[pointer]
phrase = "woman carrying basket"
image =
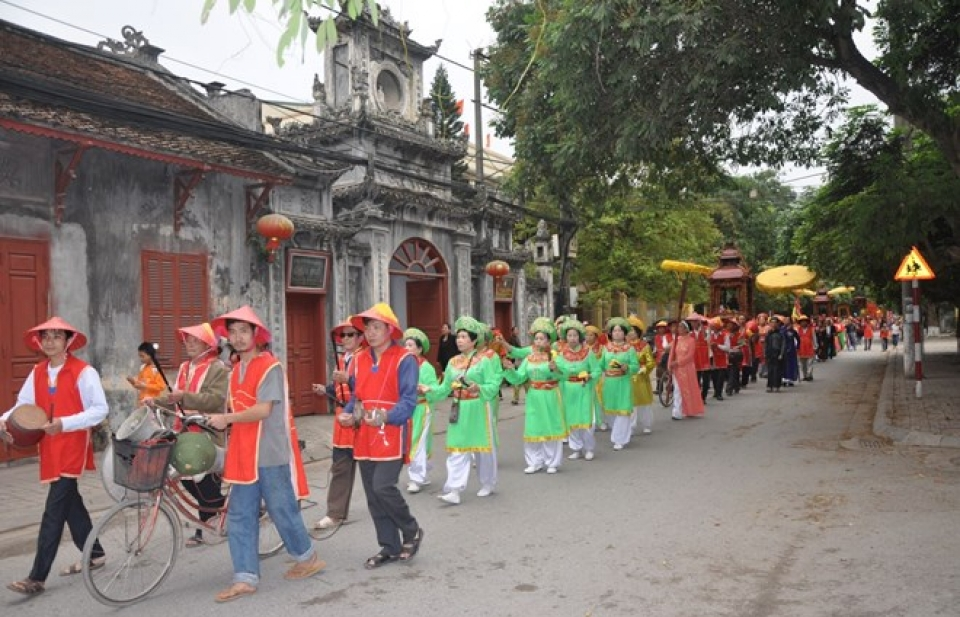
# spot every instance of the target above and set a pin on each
(70, 392)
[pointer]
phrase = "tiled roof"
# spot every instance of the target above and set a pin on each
(72, 75)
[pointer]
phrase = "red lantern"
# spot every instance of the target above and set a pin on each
(275, 228)
(497, 268)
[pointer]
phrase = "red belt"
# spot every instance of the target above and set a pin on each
(578, 379)
(465, 395)
(543, 385)
(614, 373)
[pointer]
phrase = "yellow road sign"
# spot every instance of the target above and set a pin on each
(914, 268)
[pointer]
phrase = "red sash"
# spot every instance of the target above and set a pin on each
(65, 454)
(701, 357)
(343, 436)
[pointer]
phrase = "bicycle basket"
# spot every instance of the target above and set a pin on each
(141, 466)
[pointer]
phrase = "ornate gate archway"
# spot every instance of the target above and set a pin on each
(419, 274)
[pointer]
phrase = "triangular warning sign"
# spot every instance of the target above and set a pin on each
(914, 268)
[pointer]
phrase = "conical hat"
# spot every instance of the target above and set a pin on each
(244, 313)
(380, 311)
(418, 335)
(202, 331)
(74, 342)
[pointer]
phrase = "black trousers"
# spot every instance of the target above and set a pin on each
(64, 507)
(388, 509)
(343, 471)
(718, 376)
(704, 378)
(775, 372)
(208, 495)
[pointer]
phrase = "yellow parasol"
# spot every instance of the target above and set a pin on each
(839, 291)
(805, 292)
(784, 279)
(682, 269)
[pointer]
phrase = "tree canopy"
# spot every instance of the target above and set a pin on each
(662, 82)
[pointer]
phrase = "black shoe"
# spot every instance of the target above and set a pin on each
(718, 397)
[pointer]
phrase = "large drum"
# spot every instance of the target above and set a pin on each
(25, 425)
(194, 454)
(116, 492)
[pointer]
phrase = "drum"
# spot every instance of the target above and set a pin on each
(139, 426)
(25, 425)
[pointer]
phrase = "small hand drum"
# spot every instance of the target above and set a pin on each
(25, 425)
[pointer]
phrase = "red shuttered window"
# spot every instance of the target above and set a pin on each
(175, 295)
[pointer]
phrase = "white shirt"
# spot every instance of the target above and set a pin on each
(91, 393)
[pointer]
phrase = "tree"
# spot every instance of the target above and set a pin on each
(668, 82)
(446, 117)
(888, 189)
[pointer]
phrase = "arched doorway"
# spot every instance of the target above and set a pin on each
(418, 288)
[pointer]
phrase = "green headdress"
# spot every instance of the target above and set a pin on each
(465, 322)
(542, 324)
(419, 336)
(572, 324)
(618, 321)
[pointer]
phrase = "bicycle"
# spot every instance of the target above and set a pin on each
(142, 534)
(665, 388)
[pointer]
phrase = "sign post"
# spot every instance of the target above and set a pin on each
(914, 268)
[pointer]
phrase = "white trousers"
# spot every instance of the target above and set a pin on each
(621, 430)
(458, 470)
(419, 465)
(642, 415)
(677, 401)
(582, 439)
(543, 453)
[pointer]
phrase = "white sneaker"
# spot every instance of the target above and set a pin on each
(618, 446)
(574, 455)
(589, 455)
(453, 497)
(485, 491)
(532, 469)
(326, 523)
(551, 470)
(647, 431)
(603, 427)
(413, 487)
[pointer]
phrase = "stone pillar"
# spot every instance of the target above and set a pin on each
(460, 282)
(276, 306)
(380, 255)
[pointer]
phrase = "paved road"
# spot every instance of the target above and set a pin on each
(756, 510)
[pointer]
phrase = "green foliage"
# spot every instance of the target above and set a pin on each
(446, 117)
(888, 190)
(296, 26)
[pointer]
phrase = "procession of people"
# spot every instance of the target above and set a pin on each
(580, 379)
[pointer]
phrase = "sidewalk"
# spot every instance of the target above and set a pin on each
(933, 419)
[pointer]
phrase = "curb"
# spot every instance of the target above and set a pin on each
(900, 436)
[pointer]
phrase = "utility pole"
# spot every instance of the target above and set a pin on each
(478, 116)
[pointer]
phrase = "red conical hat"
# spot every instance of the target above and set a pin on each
(202, 331)
(380, 311)
(338, 329)
(32, 338)
(244, 313)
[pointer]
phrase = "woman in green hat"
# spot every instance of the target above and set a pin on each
(580, 370)
(544, 426)
(619, 363)
(474, 380)
(421, 438)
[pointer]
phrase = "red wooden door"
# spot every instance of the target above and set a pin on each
(305, 352)
(24, 284)
(503, 317)
(425, 303)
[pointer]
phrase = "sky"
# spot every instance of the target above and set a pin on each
(240, 50)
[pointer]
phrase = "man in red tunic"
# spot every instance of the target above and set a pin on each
(808, 346)
(385, 381)
(70, 392)
(263, 458)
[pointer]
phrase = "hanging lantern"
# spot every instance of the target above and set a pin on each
(275, 228)
(497, 268)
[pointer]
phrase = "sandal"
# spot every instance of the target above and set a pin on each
(379, 559)
(77, 568)
(194, 541)
(410, 548)
(237, 590)
(27, 587)
(305, 569)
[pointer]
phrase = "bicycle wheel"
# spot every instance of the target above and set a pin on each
(270, 540)
(140, 542)
(666, 390)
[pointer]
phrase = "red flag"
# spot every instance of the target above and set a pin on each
(797, 309)
(459, 107)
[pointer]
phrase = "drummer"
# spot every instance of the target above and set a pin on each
(70, 392)
(201, 387)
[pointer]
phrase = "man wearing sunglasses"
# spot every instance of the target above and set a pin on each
(343, 468)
